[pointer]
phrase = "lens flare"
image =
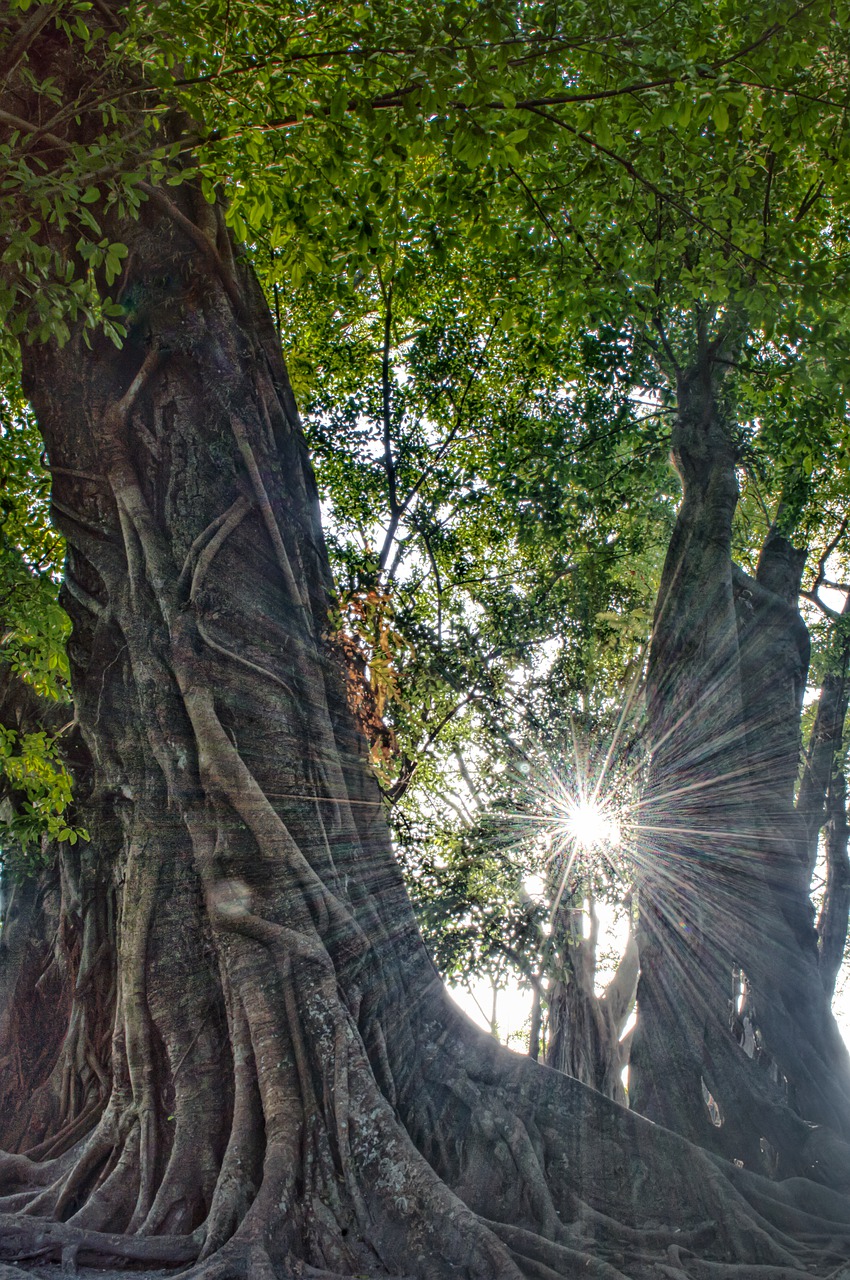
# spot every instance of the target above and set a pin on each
(590, 825)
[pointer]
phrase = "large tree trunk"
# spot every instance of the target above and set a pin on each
(735, 1044)
(287, 1090)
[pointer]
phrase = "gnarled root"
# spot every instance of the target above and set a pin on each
(23, 1239)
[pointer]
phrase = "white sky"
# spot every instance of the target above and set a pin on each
(513, 1006)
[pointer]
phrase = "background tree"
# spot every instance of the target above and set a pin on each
(551, 454)
(778, 440)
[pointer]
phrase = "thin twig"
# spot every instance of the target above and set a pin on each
(831, 546)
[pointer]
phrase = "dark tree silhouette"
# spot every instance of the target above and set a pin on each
(735, 1044)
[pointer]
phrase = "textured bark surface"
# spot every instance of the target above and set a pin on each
(822, 801)
(584, 1028)
(735, 1045)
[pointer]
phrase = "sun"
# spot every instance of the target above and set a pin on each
(590, 825)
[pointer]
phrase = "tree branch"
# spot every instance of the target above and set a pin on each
(438, 583)
(386, 426)
(830, 547)
(22, 41)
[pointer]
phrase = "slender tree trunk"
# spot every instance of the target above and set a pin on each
(724, 878)
(832, 920)
(584, 1028)
(826, 753)
(822, 802)
(536, 1022)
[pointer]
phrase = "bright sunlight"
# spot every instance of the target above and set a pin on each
(590, 826)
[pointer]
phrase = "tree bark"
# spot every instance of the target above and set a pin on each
(584, 1028)
(832, 920)
(822, 802)
(826, 753)
(724, 880)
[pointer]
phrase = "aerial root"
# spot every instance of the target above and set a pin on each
(702, 1270)
(316, 1273)
(104, 1145)
(584, 1241)
(230, 1263)
(71, 1133)
(681, 1264)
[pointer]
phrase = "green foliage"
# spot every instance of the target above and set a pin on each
(468, 893)
(35, 628)
(651, 157)
(661, 156)
(54, 181)
(33, 769)
(35, 782)
(487, 479)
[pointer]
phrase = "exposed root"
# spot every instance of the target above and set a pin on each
(528, 1246)
(23, 1239)
(238, 1261)
(69, 1135)
(23, 1173)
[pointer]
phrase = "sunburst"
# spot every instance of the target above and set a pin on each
(592, 824)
